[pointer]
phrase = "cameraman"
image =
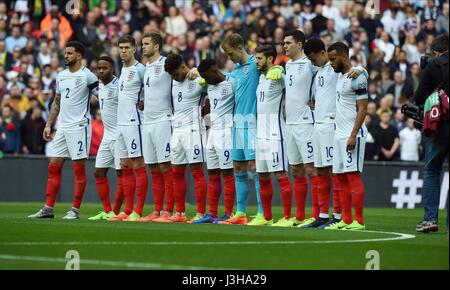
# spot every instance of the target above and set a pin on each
(436, 147)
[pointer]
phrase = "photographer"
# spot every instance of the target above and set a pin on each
(436, 147)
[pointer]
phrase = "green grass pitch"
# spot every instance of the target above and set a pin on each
(43, 244)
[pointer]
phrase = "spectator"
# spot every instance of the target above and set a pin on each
(384, 106)
(330, 11)
(3, 29)
(286, 10)
(415, 76)
(430, 12)
(15, 40)
(336, 35)
(373, 94)
(199, 25)
(4, 55)
(392, 24)
(402, 65)
(175, 22)
(9, 131)
(411, 49)
(32, 127)
(412, 24)
(342, 21)
(402, 90)
(235, 10)
(386, 80)
(442, 20)
(410, 139)
(398, 122)
(308, 13)
(372, 146)
(356, 50)
(428, 30)
(3, 11)
(319, 22)
(383, 44)
(388, 139)
(60, 28)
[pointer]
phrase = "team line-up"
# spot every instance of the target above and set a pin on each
(307, 118)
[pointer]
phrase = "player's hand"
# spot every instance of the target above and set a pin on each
(202, 82)
(47, 134)
(312, 105)
(140, 105)
(275, 73)
(193, 74)
(351, 143)
(354, 74)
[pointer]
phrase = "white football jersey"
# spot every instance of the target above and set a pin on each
(325, 94)
(188, 97)
(221, 99)
(158, 105)
(108, 97)
(130, 93)
(299, 90)
(75, 90)
(349, 91)
(270, 100)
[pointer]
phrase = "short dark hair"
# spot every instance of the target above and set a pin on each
(78, 46)
(173, 62)
(107, 58)
(267, 50)
(206, 65)
(155, 37)
(127, 39)
(297, 35)
(340, 47)
(233, 40)
(314, 45)
(440, 43)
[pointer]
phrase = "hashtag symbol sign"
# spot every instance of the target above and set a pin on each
(402, 184)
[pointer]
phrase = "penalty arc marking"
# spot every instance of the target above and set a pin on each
(394, 237)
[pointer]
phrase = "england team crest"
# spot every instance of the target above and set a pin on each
(78, 82)
(191, 86)
(131, 76)
(246, 69)
(158, 70)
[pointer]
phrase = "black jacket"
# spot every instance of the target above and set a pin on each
(434, 74)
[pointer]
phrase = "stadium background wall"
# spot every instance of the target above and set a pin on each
(392, 184)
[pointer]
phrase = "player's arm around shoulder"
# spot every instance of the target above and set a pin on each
(357, 71)
(275, 73)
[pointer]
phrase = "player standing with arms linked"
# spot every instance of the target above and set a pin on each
(188, 137)
(129, 130)
(300, 125)
(349, 138)
(157, 130)
(271, 154)
(324, 129)
(109, 154)
(72, 140)
(221, 90)
(244, 128)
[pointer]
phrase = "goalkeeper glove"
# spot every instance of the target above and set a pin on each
(201, 82)
(275, 73)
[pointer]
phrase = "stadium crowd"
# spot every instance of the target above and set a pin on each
(389, 44)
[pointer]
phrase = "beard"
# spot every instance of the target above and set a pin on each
(70, 62)
(340, 68)
(262, 68)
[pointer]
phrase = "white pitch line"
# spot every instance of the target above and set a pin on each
(398, 236)
(104, 263)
